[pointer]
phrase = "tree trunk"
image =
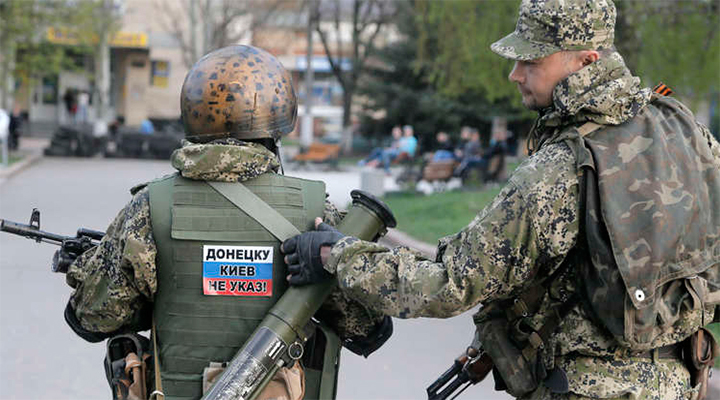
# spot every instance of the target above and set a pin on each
(102, 78)
(7, 61)
(307, 134)
(347, 133)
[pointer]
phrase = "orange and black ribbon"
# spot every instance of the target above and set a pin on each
(662, 89)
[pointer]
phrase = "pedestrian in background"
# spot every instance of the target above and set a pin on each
(444, 147)
(376, 155)
(83, 102)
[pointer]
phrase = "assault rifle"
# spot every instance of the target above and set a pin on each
(70, 246)
(468, 369)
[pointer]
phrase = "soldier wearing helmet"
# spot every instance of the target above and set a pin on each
(187, 257)
(598, 264)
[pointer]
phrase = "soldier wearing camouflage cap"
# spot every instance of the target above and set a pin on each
(186, 257)
(599, 261)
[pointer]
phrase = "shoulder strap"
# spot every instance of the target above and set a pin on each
(157, 394)
(256, 208)
(588, 128)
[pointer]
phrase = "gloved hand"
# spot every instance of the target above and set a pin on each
(303, 254)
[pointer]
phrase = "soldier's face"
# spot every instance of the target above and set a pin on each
(536, 79)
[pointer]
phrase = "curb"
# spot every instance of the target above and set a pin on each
(12, 170)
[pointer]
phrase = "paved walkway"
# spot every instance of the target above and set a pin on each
(31, 149)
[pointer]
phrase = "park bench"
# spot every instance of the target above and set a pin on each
(319, 153)
(439, 170)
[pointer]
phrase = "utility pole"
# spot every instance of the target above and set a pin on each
(7, 65)
(102, 62)
(306, 133)
(195, 47)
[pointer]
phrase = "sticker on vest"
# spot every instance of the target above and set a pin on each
(237, 270)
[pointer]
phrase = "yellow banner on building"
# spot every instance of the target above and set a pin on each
(119, 39)
(62, 36)
(129, 39)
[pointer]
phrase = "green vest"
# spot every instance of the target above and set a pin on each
(194, 227)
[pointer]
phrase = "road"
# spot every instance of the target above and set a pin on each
(41, 358)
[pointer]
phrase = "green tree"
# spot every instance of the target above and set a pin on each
(25, 52)
(21, 33)
(677, 42)
(398, 90)
(454, 43)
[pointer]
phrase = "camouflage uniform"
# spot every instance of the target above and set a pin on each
(115, 283)
(532, 225)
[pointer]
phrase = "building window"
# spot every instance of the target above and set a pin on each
(159, 73)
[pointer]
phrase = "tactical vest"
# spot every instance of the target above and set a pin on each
(647, 262)
(190, 219)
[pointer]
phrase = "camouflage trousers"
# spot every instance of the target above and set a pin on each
(627, 379)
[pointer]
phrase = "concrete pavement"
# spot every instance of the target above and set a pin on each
(31, 150)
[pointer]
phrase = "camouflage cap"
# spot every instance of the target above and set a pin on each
(545, 27)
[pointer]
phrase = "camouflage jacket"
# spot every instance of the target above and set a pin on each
(525, 233)
(116, 281)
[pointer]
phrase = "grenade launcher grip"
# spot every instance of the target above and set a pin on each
(280, 337)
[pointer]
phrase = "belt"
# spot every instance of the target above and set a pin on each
(672, 351)
(669, 352)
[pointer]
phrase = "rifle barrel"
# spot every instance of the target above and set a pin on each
(29, 232)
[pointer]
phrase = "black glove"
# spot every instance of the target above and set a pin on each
(303, 254)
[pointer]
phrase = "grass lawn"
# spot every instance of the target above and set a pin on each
(13, 158)
(431, 217)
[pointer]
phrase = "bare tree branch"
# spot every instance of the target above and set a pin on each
(366, 21)
(337, 71)
(170, 24)
(217, 21)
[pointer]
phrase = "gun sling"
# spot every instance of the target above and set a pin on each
(280, 227)
(257, 209)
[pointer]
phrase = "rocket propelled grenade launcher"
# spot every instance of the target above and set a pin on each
(71, 246)
(279, 339)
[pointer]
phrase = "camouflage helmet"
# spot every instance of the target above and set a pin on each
(545, 27)
(238, 91)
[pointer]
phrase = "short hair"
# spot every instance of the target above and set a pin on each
(604, 52)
